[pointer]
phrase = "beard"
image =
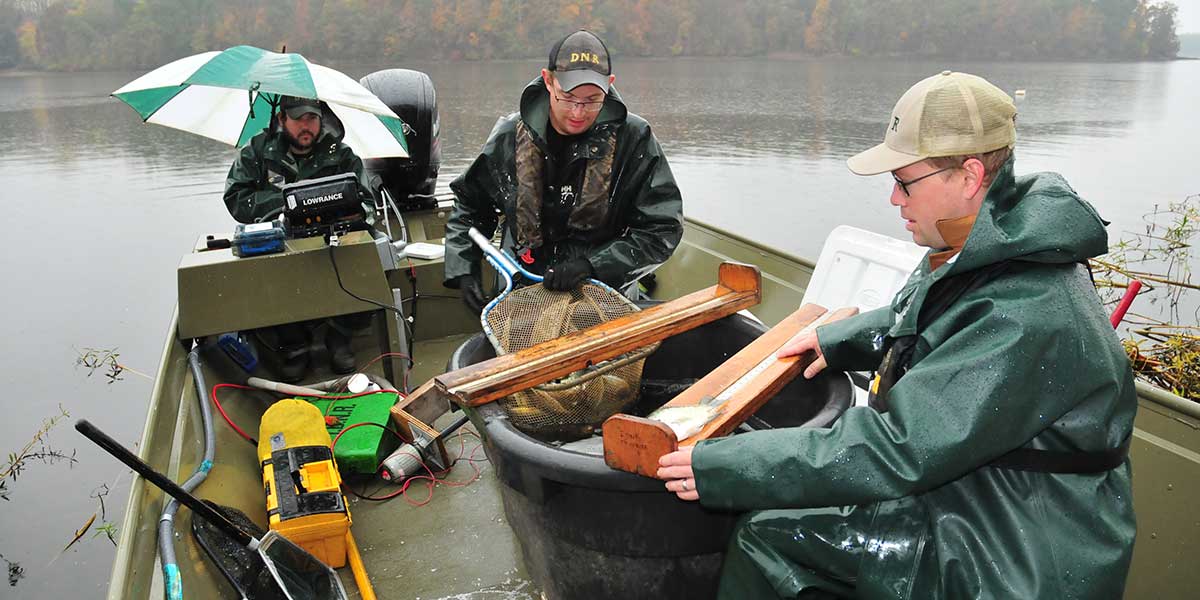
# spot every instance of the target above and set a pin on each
(296, 144)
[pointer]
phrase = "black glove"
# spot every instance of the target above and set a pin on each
(472, 292)
(566, 275)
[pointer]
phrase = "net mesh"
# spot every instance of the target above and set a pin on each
(574, 406)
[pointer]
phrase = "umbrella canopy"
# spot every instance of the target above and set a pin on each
(227, 96)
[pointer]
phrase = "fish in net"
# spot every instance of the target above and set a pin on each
(571, 407)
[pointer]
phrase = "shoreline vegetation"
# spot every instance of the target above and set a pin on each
(778, 57)
(93, 35)
(1161, 332)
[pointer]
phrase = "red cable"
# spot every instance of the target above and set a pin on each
(221, 410)
(404, 383)
(432, 479)
(332, 398)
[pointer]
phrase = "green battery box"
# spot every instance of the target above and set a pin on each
(361, 449)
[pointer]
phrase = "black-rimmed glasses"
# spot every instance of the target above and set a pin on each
(904, 184)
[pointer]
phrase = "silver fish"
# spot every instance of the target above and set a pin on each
(685, 421)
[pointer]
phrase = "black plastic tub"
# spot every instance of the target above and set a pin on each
(590, 532)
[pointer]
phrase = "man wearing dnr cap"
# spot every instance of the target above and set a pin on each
(992, 460)
(300, 146)
(581, 182)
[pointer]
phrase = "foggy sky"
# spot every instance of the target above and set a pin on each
(1189, 16)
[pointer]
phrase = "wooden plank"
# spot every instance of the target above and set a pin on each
(408, 426)
(757, 391)
(425, 403)
(635, 444)
(738, 287)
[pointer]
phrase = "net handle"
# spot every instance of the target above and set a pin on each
(499, 259)
(587, 374)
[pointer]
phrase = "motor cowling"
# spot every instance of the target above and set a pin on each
(410, 94)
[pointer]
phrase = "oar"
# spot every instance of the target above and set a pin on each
(293, 573)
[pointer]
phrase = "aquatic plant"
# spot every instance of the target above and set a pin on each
(36, 449)
(15, 571)
(1161, 333)
(108, 530)
(105, 360)
(105, 528)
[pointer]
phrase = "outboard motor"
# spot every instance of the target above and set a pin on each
(410, 95)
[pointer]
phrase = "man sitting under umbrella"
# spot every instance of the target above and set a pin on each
(301, 147)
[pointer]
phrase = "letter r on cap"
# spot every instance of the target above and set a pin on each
(895, 123)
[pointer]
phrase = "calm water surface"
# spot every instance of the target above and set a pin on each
(100, 207)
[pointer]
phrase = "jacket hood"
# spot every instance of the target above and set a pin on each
(1035, 218)
(535, 107)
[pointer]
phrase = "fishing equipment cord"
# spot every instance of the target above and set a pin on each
(433, 478)
(408, 326)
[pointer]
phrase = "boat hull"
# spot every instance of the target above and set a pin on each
(402, 545)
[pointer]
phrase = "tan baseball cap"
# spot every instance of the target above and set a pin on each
(949, 114)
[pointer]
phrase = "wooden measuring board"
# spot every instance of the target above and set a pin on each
(719, 402)
(738, 286)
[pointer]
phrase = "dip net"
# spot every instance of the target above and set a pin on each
(571, 407)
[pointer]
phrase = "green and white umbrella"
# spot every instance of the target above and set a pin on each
(227, 96)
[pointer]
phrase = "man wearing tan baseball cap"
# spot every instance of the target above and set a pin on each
(992, 461)
(952, 125)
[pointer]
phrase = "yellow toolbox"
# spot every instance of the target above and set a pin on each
(304, 499)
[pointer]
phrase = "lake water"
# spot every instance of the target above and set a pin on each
(100, 207)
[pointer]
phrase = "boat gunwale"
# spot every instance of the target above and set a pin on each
(119, 577)
(1167, 399)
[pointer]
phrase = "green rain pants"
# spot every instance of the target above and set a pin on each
(828, 552)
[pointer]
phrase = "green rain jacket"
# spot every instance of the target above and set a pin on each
(643, 222)
(252, 190)
(1027, 360)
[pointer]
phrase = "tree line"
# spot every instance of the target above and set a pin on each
(129, 34)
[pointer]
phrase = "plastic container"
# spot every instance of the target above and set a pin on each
(255, 239)
(860, 268)
(863, 269)
(591, 532)
(240, 349)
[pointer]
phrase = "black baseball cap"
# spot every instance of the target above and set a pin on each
(297, 107)
(580, 58)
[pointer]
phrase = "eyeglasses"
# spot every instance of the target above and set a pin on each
(588, 107)
(904, 184)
